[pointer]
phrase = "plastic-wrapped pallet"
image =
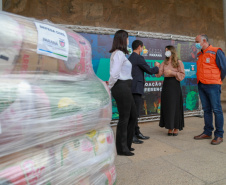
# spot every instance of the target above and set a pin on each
(48, 110)
(68, 160)
(50, 98)
(106, 176)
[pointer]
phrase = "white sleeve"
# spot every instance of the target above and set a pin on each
(115, 67)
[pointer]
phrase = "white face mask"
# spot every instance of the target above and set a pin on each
(168, 53)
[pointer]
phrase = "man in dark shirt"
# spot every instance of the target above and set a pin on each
(139, 66)
(221, 63)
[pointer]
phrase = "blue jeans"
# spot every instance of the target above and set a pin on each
(211, 103)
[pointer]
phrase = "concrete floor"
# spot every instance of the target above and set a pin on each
(173, 160)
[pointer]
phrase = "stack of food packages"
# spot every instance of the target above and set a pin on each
(54, 112)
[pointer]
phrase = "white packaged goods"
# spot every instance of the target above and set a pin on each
(54, 111)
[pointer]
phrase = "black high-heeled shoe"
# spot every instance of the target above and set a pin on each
(170, 132)
(131, 149)
(125, 153)
(175, 133)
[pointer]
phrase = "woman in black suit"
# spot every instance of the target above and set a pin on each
(120, 84)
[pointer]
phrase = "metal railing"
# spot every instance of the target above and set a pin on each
(109, 31)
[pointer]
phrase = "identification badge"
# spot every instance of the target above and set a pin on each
(208, 60)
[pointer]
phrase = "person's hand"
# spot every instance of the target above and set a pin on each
(157, 64)
(167, 72)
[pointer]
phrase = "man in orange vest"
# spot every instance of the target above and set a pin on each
(211, 70)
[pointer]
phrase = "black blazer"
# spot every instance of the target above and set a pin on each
(139, 66)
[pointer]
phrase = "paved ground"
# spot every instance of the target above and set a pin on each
(173, 160)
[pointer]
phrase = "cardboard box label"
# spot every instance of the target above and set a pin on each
(52, 41)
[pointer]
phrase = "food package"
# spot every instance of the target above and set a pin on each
(11, 38)
(46, 111)
(43, 98)
(84, 156)
(65, 161)
(54, 111)
(104, 177)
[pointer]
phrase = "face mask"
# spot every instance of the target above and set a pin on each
(168, 53)
(198, 46)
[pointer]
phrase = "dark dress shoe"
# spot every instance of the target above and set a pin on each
(175, 134)
(131, 149)
(125, 153)
(170, 134)
(217, 141)
(136, 140)
(141, 136)
(202, 136)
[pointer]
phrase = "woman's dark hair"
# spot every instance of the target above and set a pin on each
(120, 42)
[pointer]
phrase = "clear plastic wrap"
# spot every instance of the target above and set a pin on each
(65, 161)
(106, 176)
(47, 101)
(50, 110)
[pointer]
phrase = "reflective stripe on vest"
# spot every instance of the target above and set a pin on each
(199, 54)
(207, 69)
(212, 52)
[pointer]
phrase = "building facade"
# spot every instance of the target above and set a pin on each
(180, 17)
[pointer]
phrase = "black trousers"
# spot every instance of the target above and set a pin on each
(137, 99)
(121, 92)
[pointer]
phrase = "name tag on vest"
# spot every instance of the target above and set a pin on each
(207, 60)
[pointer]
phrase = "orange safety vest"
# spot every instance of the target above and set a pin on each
(207, 69)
